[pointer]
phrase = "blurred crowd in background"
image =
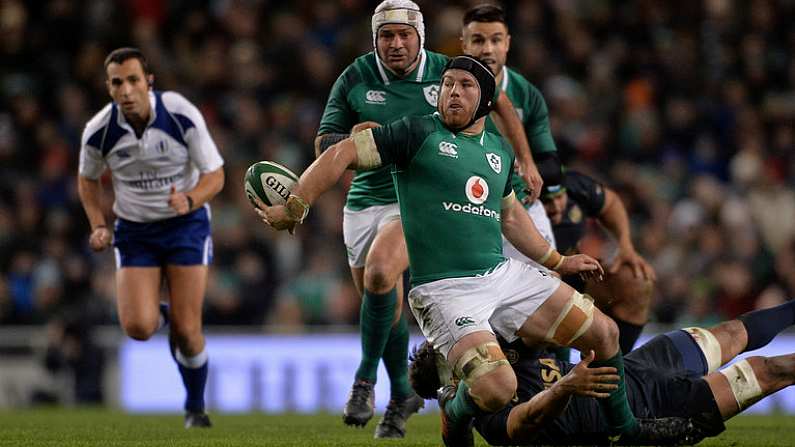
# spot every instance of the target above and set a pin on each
(686, 108)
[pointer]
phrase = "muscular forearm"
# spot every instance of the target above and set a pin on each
(527, 418)
(325, 141)
(209, 185)
(326, 170)
(522, 233)
(614, 217)
(89, 191)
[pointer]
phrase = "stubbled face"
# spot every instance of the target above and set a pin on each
(555, 206)
(128, 85)
(398, 47)
(488, 41)
(459, 97)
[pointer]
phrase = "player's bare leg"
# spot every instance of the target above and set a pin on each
(568, 318)
(627, 300)
(187, 285)
(744, 383)
(138, 299)
(487, 383)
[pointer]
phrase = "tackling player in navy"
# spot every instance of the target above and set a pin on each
(570, 198)
(675, 375)
(165, 168)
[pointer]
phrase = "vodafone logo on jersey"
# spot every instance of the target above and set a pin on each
(477, 190)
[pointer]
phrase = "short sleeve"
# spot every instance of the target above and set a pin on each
(92, 163)
(338, 117)
(201, 147)
(586, 191)
(203, 151)
(393, 142)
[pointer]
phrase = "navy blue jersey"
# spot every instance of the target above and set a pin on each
(661, 382)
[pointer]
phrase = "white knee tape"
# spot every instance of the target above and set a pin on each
(569, 326)
(743, 383)
(709, 345)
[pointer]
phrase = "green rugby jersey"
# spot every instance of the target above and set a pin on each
(533, 113)
(450, 188)
(368, 91)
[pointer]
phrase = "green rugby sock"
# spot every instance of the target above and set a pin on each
(616, 407)
(377, 314)
(396, 359)
(462, 406)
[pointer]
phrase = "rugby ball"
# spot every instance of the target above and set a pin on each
(269, 182)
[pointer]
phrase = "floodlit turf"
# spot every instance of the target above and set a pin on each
(96, 427)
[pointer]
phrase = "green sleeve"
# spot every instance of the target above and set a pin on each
(338, 116)
(400, 140)
(539, 135)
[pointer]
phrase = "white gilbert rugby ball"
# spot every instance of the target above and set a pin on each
(270, 182)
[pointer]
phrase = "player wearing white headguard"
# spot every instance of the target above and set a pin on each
(400, 78)
(165, 168)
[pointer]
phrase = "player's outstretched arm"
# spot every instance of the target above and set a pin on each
(507, 121)
(318, 178)
(614, 217)
(89, 192)
(520, 230)
(527, 418)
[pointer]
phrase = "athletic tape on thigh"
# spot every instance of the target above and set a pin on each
(709, 345)
(575, 318)
(478, 361)
(743, 383)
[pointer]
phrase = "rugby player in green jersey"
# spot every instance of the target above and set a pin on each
(400, 78)
(485, 35)
(454, 185)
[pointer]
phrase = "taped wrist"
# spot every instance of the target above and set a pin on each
(330, 139)
(297, 208)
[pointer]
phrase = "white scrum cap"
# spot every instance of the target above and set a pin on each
(404, 12)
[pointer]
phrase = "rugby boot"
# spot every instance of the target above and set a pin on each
(393, 424)
(665, 431)
(360, 405)
(454, 433)
(197, 420)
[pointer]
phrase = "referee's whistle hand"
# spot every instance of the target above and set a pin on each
(178, 201)
(100, 239)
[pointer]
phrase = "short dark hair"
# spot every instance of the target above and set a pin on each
(119, 55)
(423, 373)
(484, 13)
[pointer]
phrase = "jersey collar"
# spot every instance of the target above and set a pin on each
(386, 73)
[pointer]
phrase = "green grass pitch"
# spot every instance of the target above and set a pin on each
(98, 427)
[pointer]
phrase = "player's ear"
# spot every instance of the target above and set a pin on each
(150, 80)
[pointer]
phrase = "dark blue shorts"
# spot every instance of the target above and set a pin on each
(181, 240)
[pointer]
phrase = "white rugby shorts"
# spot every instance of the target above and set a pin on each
(359, 229)
(544, 226)
(499, 302)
